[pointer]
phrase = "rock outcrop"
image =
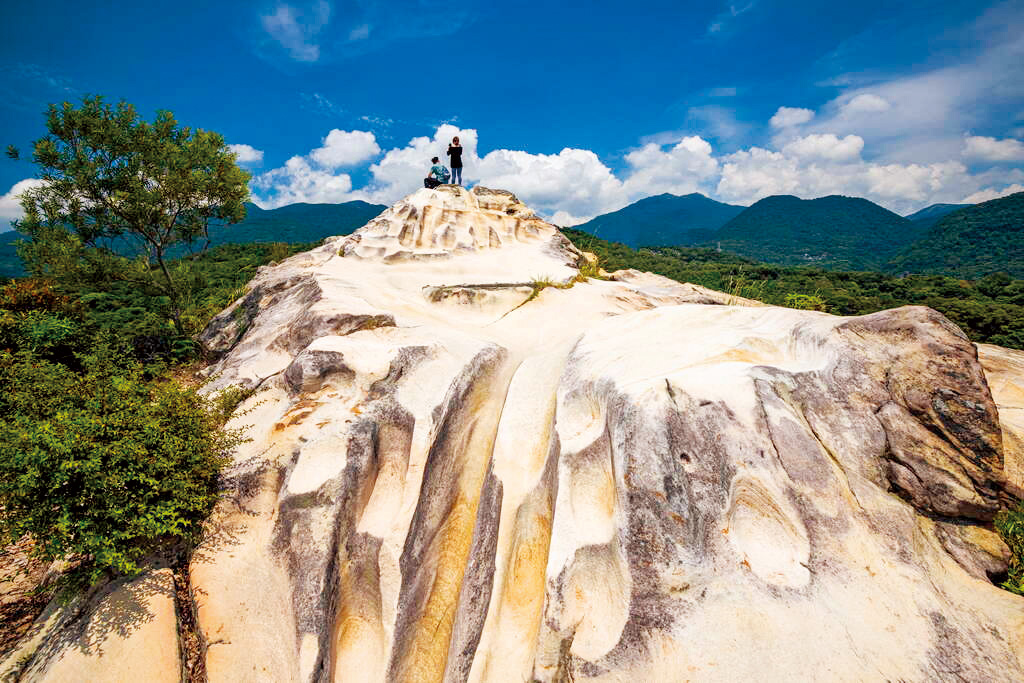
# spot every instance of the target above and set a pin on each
(468, 463)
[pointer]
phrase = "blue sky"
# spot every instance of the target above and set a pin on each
(578, 107)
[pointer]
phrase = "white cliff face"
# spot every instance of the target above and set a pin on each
(457, 476)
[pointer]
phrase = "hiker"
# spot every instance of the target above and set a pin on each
(438, 174)
(455, 152)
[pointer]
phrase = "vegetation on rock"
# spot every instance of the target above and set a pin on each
(1010, 525)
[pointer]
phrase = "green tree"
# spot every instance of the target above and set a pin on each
(113, 180)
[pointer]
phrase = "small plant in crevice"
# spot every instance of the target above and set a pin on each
(1010, 525)
(805, 302)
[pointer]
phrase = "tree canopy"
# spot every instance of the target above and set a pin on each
(110, 180)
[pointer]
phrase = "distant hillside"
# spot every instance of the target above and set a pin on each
(10, 264)
(831, 232)
(665, 219)
(292, 224)
(972, 242)
(297, 222)
(930, 215)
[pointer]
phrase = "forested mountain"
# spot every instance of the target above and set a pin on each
(989, 310)
(297, 222)
(662, 220)
(292, 224)
(831, 232)
(972, 242)
(930, 215)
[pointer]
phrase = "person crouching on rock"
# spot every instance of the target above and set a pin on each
(438, 174)
(455, 152)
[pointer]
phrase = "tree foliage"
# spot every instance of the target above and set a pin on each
(110, 180)
(103, 460)
(102, 466)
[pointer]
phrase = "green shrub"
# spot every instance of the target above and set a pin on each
(805, 302)
(101, 466)
(1010, 525)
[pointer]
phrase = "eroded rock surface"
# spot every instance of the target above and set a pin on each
(459, 475)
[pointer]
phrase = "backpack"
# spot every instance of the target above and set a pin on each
(446, 174)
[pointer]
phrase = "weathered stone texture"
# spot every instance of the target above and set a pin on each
(454, 475)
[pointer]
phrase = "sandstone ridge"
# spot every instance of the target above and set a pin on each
(460, 473)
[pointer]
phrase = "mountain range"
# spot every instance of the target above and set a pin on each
(293, 224)
(971, 242)
(843, 233)
(834, 232)
(930, 215)
(665, 219)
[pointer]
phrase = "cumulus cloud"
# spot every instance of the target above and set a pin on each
(402, 169)
(345, 148)
(823, 164)
(246, 154)
(573, 181)
(574, 185)
(990, 149)
(827, 147)
(10, 209)
(314, 178)
(787, 117)
(682, 168)
(299, 181)
(296, 28)
(990, 193)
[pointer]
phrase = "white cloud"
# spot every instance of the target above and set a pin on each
(246, 154)
(296, 29)
(684, 168)
(724, 91)
(361, 32)
(921, 117)
(721, 22)
(864, 103)
(574, 180)
(299, 181)
(565, 219)
(345, 148)
(787, 117)
(990, 193)
(827, 147)
(814, 166)
(574, 185)
(10, 209)
(990, 149)
(313, 178)
(402, 169)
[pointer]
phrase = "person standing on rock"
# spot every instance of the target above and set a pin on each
(437, 175)
(455, 152)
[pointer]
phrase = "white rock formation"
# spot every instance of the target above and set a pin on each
(458, 475)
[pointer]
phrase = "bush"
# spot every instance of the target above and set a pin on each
(101, 466)
(804, 302)
(1010, 525)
